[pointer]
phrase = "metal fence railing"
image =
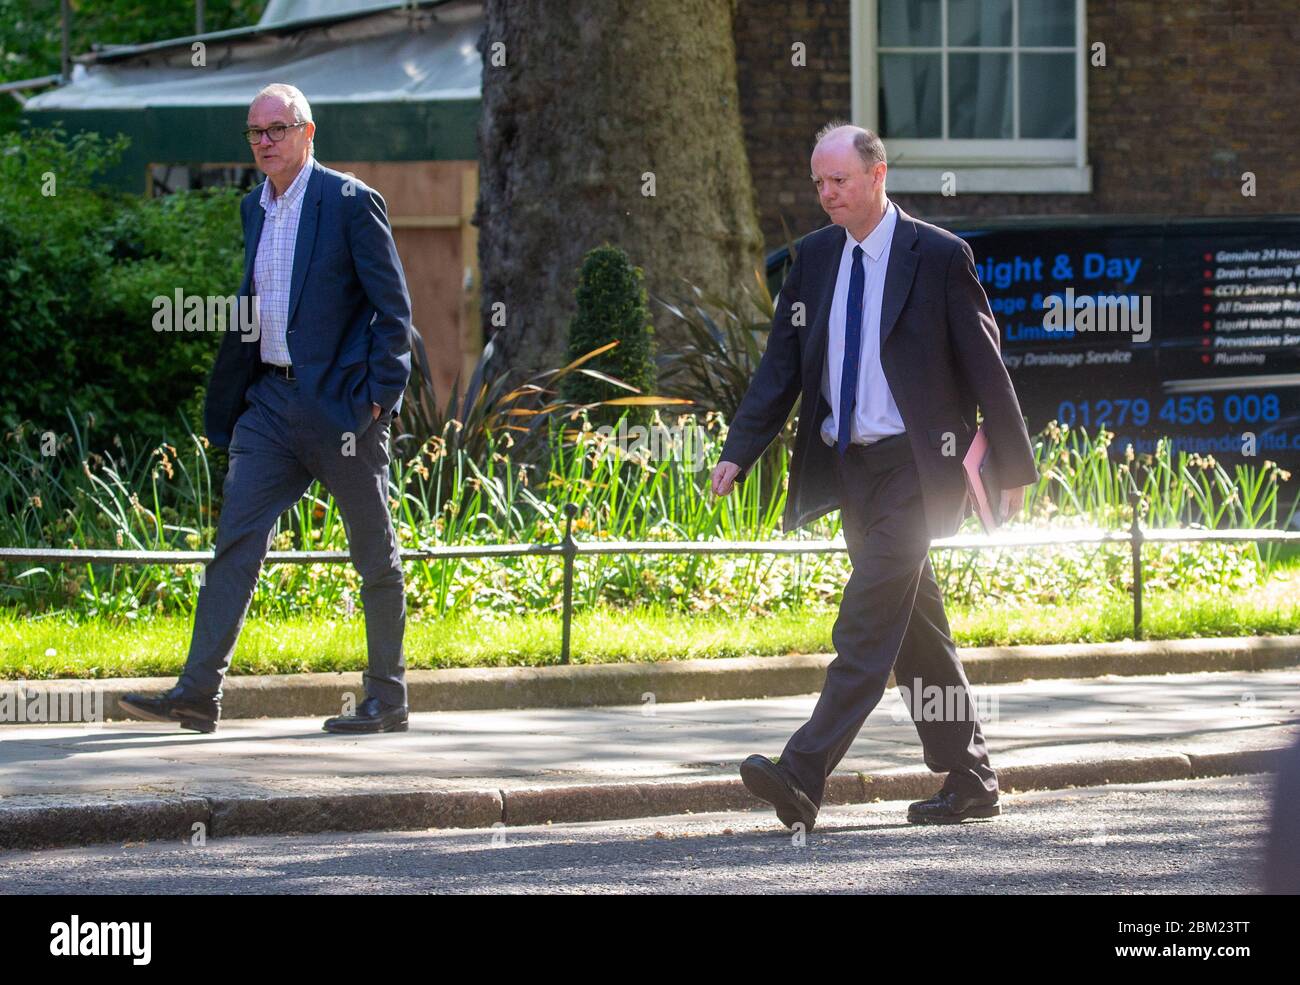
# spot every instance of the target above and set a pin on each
(569, 550)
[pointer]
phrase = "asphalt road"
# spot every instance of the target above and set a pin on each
(1194, 837)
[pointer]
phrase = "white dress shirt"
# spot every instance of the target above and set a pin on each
(273, 266)
(875, 415)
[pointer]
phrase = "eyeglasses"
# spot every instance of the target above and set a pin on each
(276, 132)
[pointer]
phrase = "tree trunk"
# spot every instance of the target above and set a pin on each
(593, 95)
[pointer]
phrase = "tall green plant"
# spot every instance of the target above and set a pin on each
(498, 413)
(722, 348)
(442, 493)
(612, 316)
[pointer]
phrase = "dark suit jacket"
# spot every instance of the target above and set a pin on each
(349, 325)
(940, 354)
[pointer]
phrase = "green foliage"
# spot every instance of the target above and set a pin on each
(51, 255)
(723, 346)
(441, 494)
(497, 412)
(187, 241)
(62, 647)
(80, 268)
(1078, 476)
(612, 307)
(30, 34)
(724, 341)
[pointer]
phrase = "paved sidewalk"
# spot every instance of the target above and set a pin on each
(122, 781)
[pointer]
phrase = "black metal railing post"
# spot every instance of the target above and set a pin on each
(1135, 547)
(569, 550)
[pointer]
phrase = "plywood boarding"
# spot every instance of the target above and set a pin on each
(429, 205)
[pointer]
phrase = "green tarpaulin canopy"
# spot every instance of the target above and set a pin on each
(386, 82)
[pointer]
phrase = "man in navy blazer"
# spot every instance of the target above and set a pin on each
(310, 395)
(883, 330)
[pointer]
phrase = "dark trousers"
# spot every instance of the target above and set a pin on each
(891, 617)
(277, 448)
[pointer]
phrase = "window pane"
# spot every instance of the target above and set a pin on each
(910, 94)
(979, 23)
(1047, 22)
(909, 23)
(1047, 96)
(979, 102)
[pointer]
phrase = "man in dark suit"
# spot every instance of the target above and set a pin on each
(883, 329)
(310, 395)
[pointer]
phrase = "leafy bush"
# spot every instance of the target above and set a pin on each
(81, 267)
(51, 255)
(612, 307)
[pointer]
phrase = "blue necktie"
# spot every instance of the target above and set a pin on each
(852, 351)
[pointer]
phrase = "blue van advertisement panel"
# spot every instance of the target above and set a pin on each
(1186, 329)
(1180, 328)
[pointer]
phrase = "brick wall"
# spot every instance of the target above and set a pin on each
(1194, 93)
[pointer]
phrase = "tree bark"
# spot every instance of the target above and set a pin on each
(593, 96)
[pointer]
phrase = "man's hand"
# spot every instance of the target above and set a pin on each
(1013, 501)
(377, 411)
(724, 477)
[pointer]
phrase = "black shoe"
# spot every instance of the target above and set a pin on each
(199, 714)
(951, 807)
(372, 716)
(767, 781)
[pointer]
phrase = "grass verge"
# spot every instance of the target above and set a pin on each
(55, 647)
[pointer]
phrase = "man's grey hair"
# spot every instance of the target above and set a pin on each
(869, 147)
(292, 97)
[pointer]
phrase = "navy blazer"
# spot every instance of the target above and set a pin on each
(939, 349)
(349, 325)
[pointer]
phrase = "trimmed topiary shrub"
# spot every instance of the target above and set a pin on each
(612, 307)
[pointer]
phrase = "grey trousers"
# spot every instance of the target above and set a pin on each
(891, 618)
(276, 450)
